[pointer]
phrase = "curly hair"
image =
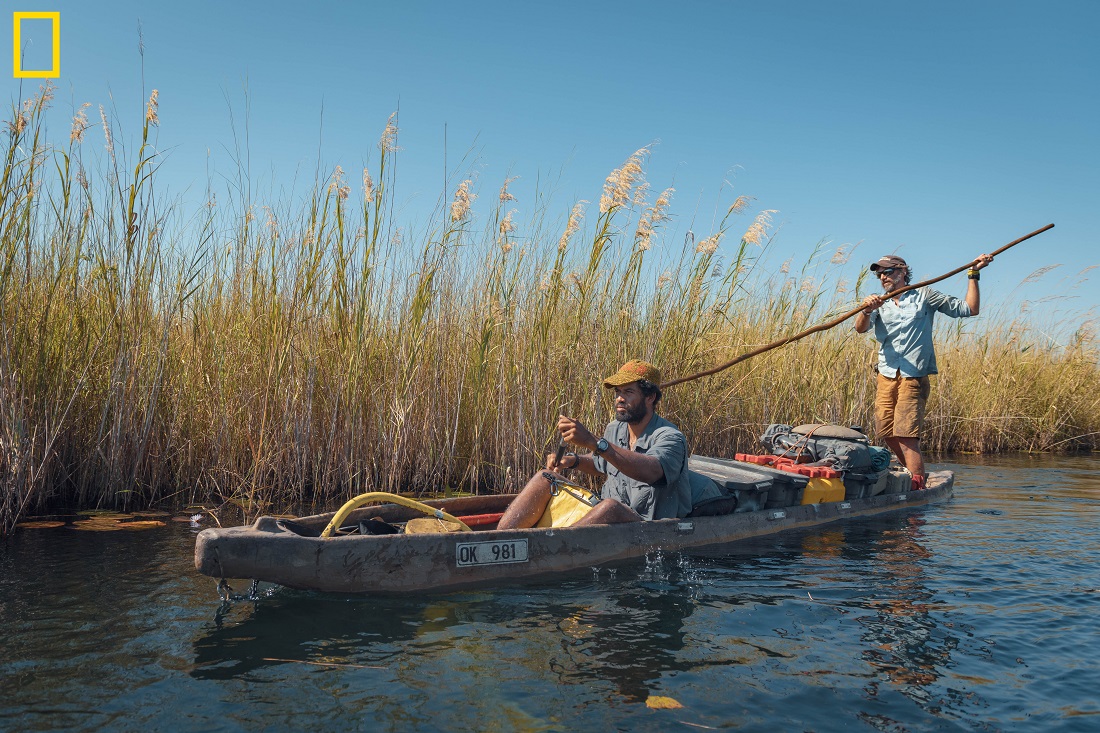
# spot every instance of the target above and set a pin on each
(649, 388)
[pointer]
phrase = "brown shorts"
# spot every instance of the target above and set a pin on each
(899, 406)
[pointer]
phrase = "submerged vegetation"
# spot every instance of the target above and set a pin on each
(294, 354)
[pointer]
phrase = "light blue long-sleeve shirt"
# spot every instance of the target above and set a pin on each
(903, 330)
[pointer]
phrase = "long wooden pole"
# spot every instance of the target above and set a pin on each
(841, 319)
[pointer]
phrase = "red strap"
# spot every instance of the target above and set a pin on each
(480, 520)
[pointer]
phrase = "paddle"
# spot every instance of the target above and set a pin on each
(562, 447)
(560, 452)
(840, 319)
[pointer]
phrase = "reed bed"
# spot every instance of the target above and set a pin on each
(280, 355)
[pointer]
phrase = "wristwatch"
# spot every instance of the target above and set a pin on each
(602, 445)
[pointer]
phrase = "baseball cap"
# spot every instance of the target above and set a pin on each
(887, 262)
(633, 371)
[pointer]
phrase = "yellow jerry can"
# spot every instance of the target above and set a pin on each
(823, 491)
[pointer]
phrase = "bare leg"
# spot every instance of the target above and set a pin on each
(609, 511)
(908, 452)
(526, 509)
(893, 443)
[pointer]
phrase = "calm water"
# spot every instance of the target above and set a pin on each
(978, 614)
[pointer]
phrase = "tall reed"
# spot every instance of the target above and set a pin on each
(277, 355)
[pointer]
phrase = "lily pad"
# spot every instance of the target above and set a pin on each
(105, 515)
(97, 525)
(40, 524)
(140, 524)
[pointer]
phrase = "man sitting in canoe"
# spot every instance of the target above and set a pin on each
(642, 456)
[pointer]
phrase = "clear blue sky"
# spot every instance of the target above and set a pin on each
(938, 130)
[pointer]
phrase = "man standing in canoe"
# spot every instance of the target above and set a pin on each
(903, 329)
(642, 456)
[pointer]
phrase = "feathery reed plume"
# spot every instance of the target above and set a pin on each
(45, 94)
(643, 234)
(80, 124)
(460, 207)
(739, 205)
(652, 217)
(337, 186)
(620, 182)
(18, 124)
(505, 194)
(107, 131)
(30, 106)
(606, 201)
(1038, 274)
(272, 223)
(841, 256)
(507, 226)
(388, 142)
(758, 230)
(368, 186)
(660, 206)
(709, 245)
(151, 110)
(571, 227)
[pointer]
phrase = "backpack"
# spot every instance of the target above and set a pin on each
(840, 448)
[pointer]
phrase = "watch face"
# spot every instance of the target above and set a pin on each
(602, 445)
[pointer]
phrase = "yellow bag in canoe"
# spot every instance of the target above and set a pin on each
(566, 508)
(430, 525)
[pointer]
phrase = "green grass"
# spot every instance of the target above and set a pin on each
(276, 355)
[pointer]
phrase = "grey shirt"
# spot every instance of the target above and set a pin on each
(671, 495)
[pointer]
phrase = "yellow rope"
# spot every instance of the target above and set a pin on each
(382, 496)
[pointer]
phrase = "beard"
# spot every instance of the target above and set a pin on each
(628, 415)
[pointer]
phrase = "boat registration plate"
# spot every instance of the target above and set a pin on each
(490, 553)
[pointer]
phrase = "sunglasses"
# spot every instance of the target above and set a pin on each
(887, 271)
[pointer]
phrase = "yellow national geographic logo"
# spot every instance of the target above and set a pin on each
(17, 64)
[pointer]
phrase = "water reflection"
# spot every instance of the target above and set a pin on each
(871, 572)
(293, 626)
(901, 631)
(629, 640)
(609, 635)
(975, 614)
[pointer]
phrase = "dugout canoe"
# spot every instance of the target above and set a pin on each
(276, 551)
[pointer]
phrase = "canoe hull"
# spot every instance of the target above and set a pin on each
(444, 561)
